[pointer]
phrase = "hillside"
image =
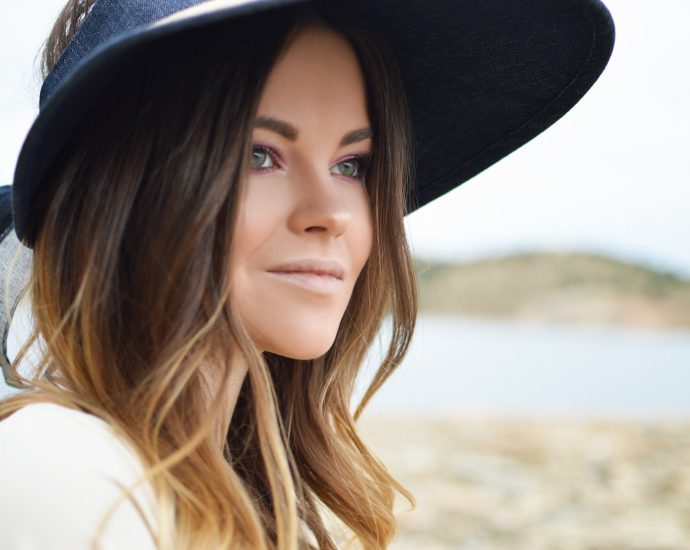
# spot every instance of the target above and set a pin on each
(557, 287)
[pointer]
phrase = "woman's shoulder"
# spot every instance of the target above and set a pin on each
(44, 418)
(47, 431)
(61, 470)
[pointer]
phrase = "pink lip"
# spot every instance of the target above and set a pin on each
(319, 276)
(317, 267)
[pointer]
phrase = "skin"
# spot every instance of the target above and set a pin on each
(305, 197)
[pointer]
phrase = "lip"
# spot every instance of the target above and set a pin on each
(308, 265)
(319, 276)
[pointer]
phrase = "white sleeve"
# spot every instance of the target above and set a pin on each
(60, 472)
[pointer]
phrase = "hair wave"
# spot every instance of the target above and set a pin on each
(130, 294)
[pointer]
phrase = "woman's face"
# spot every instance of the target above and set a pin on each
(304, 228)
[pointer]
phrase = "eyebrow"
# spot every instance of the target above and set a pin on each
(288, 131)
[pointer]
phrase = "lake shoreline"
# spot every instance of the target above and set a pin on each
(506, 483)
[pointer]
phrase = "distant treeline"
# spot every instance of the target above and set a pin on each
(556, 287)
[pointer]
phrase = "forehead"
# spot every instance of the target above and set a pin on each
(317, 79)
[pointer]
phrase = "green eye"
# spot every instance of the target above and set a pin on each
(261, 158)
(349, 168)
(354, 167)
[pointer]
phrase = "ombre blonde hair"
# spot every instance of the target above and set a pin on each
(129, 291)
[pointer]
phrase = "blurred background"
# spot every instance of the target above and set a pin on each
(545, 400)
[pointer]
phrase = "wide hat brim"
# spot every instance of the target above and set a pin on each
(482, 77)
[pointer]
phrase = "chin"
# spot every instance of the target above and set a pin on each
(305, 347)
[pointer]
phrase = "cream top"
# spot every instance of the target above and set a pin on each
(60, 472)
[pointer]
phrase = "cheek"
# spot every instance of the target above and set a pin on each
(258, 214)
(255, 307)
(255, 226)
(362, 236)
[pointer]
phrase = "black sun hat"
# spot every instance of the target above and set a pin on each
(482, 77)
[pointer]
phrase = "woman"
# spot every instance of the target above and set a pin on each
(214, 196)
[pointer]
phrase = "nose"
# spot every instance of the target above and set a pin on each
(320, 205)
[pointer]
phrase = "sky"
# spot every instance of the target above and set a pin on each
(612, 176)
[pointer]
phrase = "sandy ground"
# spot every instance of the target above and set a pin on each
(510, 483)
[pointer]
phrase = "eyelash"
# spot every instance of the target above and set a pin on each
(362, 160)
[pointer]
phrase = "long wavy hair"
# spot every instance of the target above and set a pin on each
(129, 291)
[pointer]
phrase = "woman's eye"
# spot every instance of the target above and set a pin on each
(261, 159)
(354, 167)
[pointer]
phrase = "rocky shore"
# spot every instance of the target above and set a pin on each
(538, 484)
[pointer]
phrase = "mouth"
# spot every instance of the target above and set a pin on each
(317, 283)
(317, 267)
(318, 276)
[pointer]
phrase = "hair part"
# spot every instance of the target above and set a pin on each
(130, 293)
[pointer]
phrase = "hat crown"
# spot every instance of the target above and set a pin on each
(106, 21)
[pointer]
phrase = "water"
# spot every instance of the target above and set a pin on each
(458, 365)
